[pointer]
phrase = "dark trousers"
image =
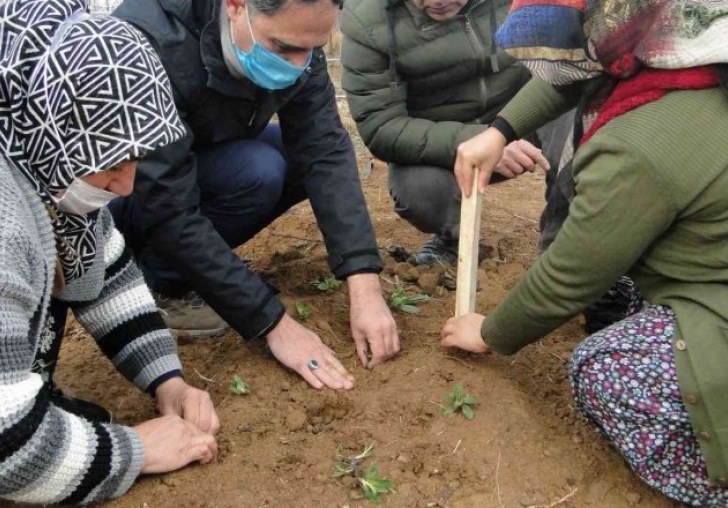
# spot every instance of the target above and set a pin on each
(244, 186)
(429, 198)
(559, 193)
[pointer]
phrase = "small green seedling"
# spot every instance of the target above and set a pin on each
(303, 310)
(459, 402)
(238, 386)
(325, 284)
(406, 303)
(371, 482)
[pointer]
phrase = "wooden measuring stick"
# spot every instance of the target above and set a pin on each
(467, 280)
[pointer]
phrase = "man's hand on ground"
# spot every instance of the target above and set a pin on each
(372, 325)
(295, 346)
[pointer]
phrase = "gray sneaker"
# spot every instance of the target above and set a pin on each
(437, 251)
(189, 316)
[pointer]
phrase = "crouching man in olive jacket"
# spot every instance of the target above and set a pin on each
(422, 76)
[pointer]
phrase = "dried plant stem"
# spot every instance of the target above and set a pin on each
(557, 502)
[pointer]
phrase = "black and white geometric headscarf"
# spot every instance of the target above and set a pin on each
(79, 93)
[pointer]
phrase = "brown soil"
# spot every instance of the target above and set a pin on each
(526, 446)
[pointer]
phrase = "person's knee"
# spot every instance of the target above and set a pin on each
(587, 369)
(421, 190)
(260, 180)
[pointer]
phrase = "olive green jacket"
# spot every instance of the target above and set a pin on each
(651, 200)
(418, 87)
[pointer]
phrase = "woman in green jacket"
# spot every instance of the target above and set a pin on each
(651, 173)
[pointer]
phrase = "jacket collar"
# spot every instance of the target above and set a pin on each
(218, 76)
(423, 21)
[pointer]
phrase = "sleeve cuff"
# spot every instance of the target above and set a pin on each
(492, 336)
(152, 388)
(271, 325)
(136, 462)
(364, 261)
(501, 125)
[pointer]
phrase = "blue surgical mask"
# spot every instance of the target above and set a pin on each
(263, 67)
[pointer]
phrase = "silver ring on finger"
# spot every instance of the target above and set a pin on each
(313, 365)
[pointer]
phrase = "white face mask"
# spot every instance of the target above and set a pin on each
(81, 198)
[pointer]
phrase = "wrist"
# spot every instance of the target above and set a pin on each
(169, 387)
(281, 329)
(363, 284)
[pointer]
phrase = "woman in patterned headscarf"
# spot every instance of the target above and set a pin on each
(651, 173)
(82, 97)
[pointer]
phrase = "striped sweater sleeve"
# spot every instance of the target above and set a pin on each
(125, 321)
(47, 455)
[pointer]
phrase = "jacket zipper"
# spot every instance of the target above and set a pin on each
(481, 59)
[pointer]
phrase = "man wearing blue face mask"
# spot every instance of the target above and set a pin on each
(264, 67)
(234, 64)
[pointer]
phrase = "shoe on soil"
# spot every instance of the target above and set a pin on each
(189, 316)
(437, 251)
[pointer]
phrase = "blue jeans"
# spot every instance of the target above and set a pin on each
(244, 186)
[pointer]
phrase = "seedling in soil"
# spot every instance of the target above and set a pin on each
(238, 386)
(369, 480)
(459, 402)
(406, 303)
(325, 284)
(303, 310)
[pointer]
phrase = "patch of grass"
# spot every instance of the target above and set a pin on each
(325, 284)
(370, 480)
(406, 303)
(238, 386)
(303, 310)
(459, 402)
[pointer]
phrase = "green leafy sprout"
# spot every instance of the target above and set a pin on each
(459, 402)
(406, 303)
(303, 310)
(325, 284)
(370, 480)
(238, 386)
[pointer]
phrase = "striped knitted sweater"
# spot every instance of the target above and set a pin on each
(48, 455)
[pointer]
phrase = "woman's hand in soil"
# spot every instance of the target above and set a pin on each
(520, 156)
(175, 397)
(482, 151)
(295, 346)
(372, 325)
(464, 333)
(171, 443)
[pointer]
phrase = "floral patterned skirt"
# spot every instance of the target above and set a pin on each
(624, 380)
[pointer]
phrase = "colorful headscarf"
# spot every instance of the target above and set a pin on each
(563, 41)
(79, 93)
